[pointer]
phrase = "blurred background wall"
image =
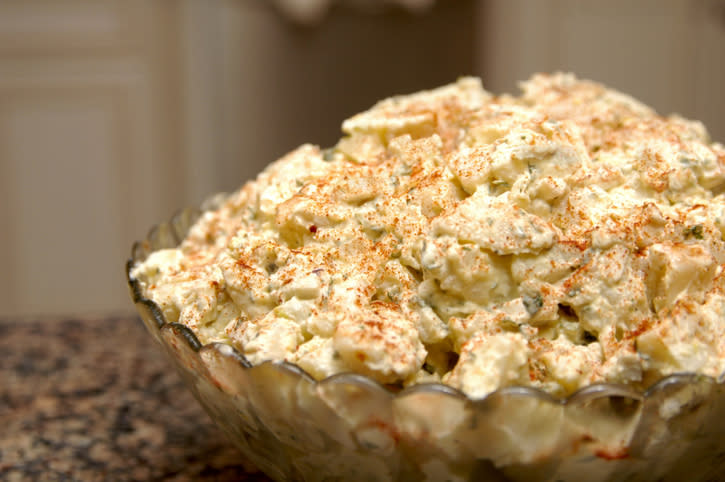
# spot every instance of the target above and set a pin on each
(114, 113)
(668, 53)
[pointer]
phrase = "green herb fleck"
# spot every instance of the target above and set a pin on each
(694, 231)
(251, 213)
(404, 170)
(509, 325)
(328, 155)
(533, 303)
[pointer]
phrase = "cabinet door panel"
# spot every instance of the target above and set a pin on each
(710, 67)
(89, 140)
(66, 216)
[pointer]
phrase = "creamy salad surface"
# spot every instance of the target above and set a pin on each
(563, 237)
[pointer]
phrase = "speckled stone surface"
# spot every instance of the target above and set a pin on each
(95, 400)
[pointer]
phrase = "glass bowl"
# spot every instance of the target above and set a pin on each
(349, 427)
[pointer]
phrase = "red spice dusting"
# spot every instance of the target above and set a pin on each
(383, 427)
(217, 383)
(313, 228)
(374, 324)
(242, 264)
(583, 440)
(644, 326)
(622, 453)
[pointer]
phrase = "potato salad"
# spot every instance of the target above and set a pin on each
(566, 236)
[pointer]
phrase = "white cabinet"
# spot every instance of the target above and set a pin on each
(709, 72)
(89, 153)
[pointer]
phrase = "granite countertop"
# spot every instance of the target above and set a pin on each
(96, 399)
